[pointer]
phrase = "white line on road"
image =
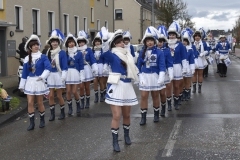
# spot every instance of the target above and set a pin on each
(167, 152)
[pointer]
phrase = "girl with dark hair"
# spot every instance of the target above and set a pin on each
(202, 50)
(123, 72)
(75, 72)
(180, 64)
(90, 68)
(58, 74)
(99, 78)
(36, 69)
(151, 65)
(187, 37)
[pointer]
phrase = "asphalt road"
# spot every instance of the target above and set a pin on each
(206, 127)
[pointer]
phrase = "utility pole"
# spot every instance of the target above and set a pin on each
(153, 16)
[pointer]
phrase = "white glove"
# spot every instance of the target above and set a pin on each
(82, 75)
(104, 33)
(22, 84)
(44, 75)
(105, 68)
(95, 68)
(105, 46)
(142, 81)
(192, 71)
(192, 67)
(170, 73)
(64, 76)
(161, 78)
(201, 54)
(185, 65)
(196, 63)
(39, 78)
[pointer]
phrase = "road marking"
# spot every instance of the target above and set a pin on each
(167, 152)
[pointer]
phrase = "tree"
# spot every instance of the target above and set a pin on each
(236, 30)
(171, 10)
(185, 21)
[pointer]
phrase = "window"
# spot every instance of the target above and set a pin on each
(76, 21)
(1, 4)
(98, 25)
(36, 21)
(118, 14)
(66, 24)
(92, 15)
(85, 24)
(106, 2)
(51, 24)
(106, 24)
(18, 18)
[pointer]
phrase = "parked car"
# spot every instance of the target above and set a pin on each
(137, 49)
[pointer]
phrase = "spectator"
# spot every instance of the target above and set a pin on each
(46, 47)
(22, 53)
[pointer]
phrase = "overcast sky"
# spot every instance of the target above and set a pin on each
(214, 14)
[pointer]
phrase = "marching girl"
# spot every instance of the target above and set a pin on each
(187, 39)
(57, 77)
(36, 69)
(202, 50)
(123, 72)
(75, 72)
(90, 68)
(99, 79)
(151, 65)
(126, 39)
(180, 64)
(166, 93)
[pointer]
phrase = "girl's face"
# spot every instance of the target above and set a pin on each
(35, 48)
(160, 44)
(197, 38)
(71, 44)
(120, 44)
(81, 43)
(150, 43)
(126, 41)
(172, 36)
(54, 44)
(97, 43)
(184, 43)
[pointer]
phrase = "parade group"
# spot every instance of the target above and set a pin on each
(170, 65)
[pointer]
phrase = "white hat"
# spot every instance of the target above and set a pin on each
(174, 28)
(151, 32)
(98, 36)
(127, 34)
(187, 34)
(33, 37)
(222, 36)
(163, 33)
(56, 34)
(82, 35)
(68, 37)
(113, 36)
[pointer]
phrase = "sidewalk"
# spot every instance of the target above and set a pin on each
(236, 53)
(12, 115)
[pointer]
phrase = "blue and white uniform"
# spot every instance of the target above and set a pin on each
(149, 67)
(222, 50)
(89, 61)
(168, 62)
(202, 50)
(97, 52)
(75, 66)
(58, 74)
(190, 59)
(179, 54)
(30, 82)
(116, 93)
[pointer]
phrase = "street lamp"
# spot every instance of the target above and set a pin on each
(152, 17)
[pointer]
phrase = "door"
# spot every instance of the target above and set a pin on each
(3, 56)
